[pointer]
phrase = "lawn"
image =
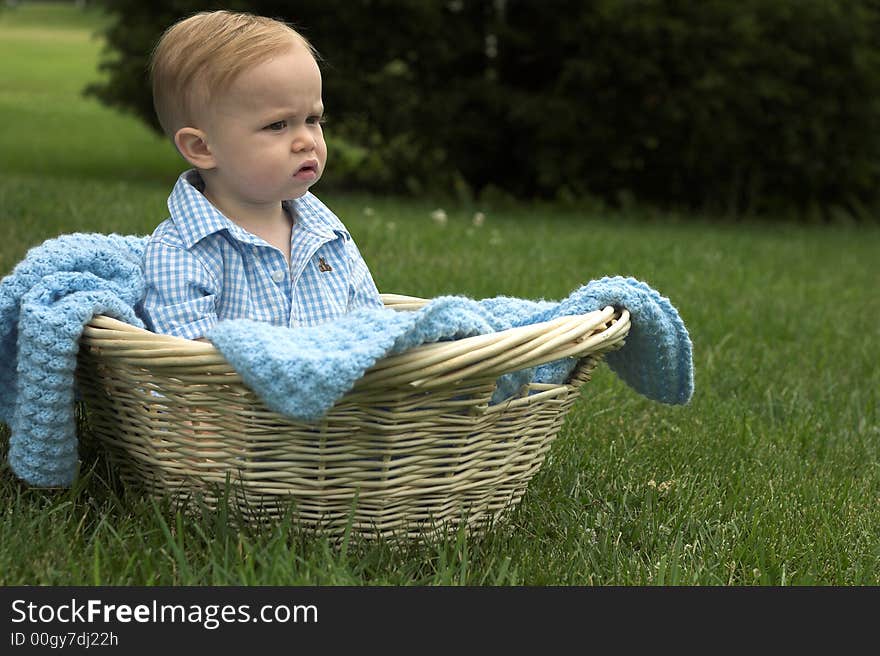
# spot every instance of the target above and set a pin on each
(771, 475)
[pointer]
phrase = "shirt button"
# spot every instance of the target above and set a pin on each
(278, 276)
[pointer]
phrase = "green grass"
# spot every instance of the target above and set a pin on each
(48, 55)
(770, 476)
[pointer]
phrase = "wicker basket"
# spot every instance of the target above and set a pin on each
(414, 448)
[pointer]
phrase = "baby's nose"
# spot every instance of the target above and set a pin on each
(303, 140)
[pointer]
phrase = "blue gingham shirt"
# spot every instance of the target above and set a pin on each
(200, 267)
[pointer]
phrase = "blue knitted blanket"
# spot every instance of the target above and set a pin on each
(44, 304)
(303, 376)
(300, 372)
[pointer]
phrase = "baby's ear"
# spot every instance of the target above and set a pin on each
(193, 145)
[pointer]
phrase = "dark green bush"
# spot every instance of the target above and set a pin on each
(738, 106)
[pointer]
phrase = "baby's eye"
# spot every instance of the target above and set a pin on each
(315, 120)
(277, 126)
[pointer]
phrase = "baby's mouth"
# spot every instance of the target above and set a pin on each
(308, 171)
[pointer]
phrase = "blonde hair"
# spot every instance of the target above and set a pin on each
(202, 55)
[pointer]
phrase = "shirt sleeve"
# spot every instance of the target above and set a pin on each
(363, 291)
(180, 294)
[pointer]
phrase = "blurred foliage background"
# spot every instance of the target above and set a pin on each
(758, 107)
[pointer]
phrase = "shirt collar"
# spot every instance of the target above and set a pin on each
(312, 215)
(195, 217)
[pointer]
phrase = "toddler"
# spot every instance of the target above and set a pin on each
(240, 96)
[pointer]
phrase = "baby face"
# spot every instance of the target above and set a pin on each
(265, 132)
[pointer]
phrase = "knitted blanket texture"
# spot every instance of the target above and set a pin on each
(300, 372)
(44, 304)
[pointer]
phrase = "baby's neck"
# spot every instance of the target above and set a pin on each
(269, 222)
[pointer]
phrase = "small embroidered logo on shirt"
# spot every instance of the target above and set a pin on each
(323, 266)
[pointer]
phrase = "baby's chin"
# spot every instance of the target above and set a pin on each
(300, 187)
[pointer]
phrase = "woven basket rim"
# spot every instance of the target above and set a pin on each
(429, 365)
